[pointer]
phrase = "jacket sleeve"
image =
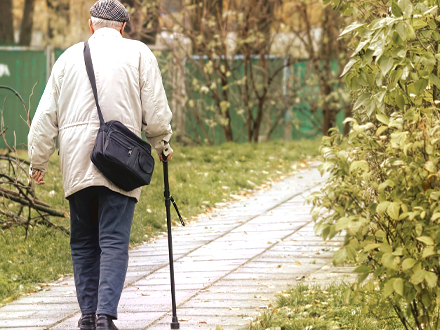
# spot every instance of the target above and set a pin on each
(44, 127)
(156, 114)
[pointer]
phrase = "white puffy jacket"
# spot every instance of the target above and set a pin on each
(130, 90)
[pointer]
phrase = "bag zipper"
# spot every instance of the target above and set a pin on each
(121, 143)
(116, 133)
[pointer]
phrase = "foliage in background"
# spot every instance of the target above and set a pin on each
(308, 307)
(245, 69)
(265, 68)
(383, 189)
(201, 178)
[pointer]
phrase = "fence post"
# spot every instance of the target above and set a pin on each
(287, 118)
(48, 62)
(179, 92)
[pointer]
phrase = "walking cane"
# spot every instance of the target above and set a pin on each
(168, 200)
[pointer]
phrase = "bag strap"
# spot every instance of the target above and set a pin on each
(91, 74)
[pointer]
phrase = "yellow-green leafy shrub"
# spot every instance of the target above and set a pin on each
(383, 190)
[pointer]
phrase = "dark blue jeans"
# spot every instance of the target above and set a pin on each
(100, 232)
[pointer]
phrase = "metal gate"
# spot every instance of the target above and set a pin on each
(23, 69)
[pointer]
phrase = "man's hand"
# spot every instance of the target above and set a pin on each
(38, 177)
(169, 156)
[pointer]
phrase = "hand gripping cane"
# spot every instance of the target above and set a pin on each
(168, 200)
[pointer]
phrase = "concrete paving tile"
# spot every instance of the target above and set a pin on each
(179, 287)
(242, 296)
(285, 227)
(26, 328)
(46, 299)
(226, 259)
(180, 282)
(70, 323)
(15, 315)
(133, 322)
(227, 303)
(189, 311)
(256, 283)
(144, 308)
(181, 269)
(220, 254)
(205, 323)
(189, 273)
(276, 261)
(271, 276)
(224, 288)
(148, 263)
(282, 271)
(18, 306)
(147, 298)
(28, 322)
(279, 255)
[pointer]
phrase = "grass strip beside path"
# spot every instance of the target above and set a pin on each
(200, 179)
(307, 307)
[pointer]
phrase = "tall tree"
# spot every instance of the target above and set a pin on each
(27, 23)
(205, 19)
(321, 52)
(265, 19)
(6, 22)
(134, 25)
(59, 20)
(151, 26)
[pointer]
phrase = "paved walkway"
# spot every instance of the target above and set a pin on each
(228, 264)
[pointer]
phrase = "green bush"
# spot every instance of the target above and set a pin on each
(383, 190)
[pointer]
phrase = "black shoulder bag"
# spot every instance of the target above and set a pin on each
(123, 157)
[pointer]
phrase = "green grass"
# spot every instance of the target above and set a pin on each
(200, 177)
(316, 308)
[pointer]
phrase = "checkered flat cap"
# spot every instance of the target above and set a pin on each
(111, 10)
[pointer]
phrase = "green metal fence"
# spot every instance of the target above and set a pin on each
(26, 70)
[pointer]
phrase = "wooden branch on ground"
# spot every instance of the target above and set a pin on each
(21, 213)
(17, 220)
(32, 202)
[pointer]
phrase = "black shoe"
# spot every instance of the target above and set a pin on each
(105, 322)
(87, 322)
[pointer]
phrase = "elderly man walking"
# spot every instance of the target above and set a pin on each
(130, 90)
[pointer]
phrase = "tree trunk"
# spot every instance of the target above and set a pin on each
(258, 120)
(347, 113)
(134, 25)
(266, 16)
(27, 23)
(151, 27)
(203, 12)
(227, 131)
(6, 21)
(58, 26)
(330, 51)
